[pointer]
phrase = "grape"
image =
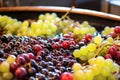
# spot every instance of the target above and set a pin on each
(66, 76)
(76, 53)
(11, 59)
(110, 39)
(91, 47)
(89, 75)
(4, 66)
(76, 30)
(97, 39)
(115, 68)
(7, 76)
(117, 29)
(112, 77)
(100, 77)
(79, 75)
(76, 67)
(105, 71)
(96, 69)
(83, 50)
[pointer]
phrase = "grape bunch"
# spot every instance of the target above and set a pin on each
(98, 69)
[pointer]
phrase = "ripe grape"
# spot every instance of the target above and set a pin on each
(97, 39)
(20, 73)
(76, 53)
(7, 76)
(91, 47)
(4, 67)
(66, 76)
(76, 67)
(11, 59)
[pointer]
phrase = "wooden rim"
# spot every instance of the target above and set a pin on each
(61, 9)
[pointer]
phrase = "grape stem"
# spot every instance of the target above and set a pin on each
(65, 15)
(102, 46)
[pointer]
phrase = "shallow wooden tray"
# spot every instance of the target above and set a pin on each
(95, 18)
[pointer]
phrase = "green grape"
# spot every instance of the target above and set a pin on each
(96, 69)
(115, 68)
(110, 39)
(41, 17)
(11, 59)
(92, 30)
(112, 77)
(83, 58)
(91, 47)
(100, 77)
(97, 39)
(7, 76)
(90, 55)
(92, 61)
(85, 24)
(25, 23)
(76, 30)
(76, 67)
(4, 67)
(82, 31)
(89, 75)
(109, 62)
(100, 61)
(107, 30)
(105, 71)
(79, 75)
(76, 53)
(84, 51)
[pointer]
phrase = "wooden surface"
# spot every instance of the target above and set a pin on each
(61, 9)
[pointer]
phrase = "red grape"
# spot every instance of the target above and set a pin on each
(37, 47)
(13, 67)
(112, 50)
(26, 57)
(66, 76)
(31, 55)
(20, 72)
(88, 37)
(117, 29)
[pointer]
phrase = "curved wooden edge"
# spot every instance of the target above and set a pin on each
(61, 9)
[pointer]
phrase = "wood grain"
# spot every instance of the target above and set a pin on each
(61, 9)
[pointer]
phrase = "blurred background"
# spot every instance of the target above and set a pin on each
(108, 6)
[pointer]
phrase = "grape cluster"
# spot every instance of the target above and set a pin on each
(98, 69)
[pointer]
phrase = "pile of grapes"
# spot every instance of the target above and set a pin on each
(52, 48)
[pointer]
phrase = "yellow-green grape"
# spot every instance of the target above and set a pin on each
(83, 58)
(105, 71)
(100, 61)
(79, 75)
(97, 39)
(90, 55)
(96, 69)
(85, 24)
(112, 77)
(91, 47)
(76, 67)
(25, 23)
(109, 62)
(92, 30)
(92, 61)
(83, 50)
(76, 31)
(100, 77)
(7, 76)
(110, 39)
(4, 67)
(89, 75)
(76, 53)
(115, 68)
(11, 59)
